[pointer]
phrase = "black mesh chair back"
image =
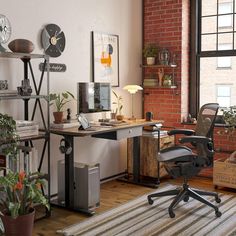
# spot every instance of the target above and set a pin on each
(206, 119)
(205, 127)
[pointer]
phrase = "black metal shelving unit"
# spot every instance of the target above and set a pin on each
(37, 97)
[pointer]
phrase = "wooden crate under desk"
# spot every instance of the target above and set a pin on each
(148, 154)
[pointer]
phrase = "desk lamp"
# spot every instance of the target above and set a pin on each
(132, 89)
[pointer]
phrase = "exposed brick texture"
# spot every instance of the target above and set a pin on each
(165, 25)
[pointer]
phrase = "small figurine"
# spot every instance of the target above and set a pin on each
(160, 75)
(68, 114)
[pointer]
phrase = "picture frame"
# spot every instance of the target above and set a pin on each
(105, 58)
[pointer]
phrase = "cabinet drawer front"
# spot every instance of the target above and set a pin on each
(129, 132)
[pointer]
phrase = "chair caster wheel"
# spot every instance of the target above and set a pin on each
(218, 214)
(186, 199)
(171, 214)
(217, 199)
(150, 201)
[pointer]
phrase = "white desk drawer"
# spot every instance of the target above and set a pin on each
(129, 132)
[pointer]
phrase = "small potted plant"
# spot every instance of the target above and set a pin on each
(119, 107)
(59, 100)
(150, 53)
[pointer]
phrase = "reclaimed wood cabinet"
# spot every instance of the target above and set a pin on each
(148, 155)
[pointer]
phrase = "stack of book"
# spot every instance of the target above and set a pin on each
(65, 125)
(154, 133)
(7, 93)
(150, 82)
(26, 128)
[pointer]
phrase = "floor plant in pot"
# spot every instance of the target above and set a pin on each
(59, 100)
(18, 191)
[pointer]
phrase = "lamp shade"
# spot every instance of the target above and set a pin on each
(132, 88)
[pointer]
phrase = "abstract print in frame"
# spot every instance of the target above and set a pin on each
(105, 58)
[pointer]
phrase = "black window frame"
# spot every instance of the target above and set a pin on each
(196, 54)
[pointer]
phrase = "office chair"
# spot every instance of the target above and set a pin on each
(181, 161)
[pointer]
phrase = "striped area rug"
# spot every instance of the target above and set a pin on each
(138, 218)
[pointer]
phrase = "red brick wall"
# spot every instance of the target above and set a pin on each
(163, 27)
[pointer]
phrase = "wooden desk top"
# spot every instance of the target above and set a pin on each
(104, 129)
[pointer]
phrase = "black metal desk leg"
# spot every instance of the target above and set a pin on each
(69, 173)
(136, 159)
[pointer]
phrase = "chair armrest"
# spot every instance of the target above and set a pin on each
(195, 139)
(181, 131)
(207, 142)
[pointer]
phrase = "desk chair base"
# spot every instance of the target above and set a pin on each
(183, 194)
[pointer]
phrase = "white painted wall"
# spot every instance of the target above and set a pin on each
(77, 18)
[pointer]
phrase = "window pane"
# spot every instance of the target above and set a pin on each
(225, 21)
(209, 42)
(217, 85)
(209, 7)
(224, 39)
(224, 62)
(225, 7)
(209, 24)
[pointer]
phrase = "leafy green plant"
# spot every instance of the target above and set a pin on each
(118, 102)
(8, 136)
(229, 116)
(20, 192)
(150, 50)
(60, 99)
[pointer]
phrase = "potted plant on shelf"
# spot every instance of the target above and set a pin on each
(150, 53)
(59, 100)
(119, 107)
(17, 190)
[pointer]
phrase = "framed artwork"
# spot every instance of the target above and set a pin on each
(105, 53)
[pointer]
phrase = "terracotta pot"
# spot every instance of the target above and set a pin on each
(58, 117)
(119, 117)
(22, 225)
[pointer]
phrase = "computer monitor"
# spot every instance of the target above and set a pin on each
(93, 97)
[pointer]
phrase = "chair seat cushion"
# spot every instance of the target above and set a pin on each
(179, 153)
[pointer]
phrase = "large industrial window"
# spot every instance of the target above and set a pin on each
(213, 53)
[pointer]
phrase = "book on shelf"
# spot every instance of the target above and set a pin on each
(150, 82)
(26, 133)
(26, 160)
(24, 123)
(26, 128)
(65, 125)
(7, 92)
